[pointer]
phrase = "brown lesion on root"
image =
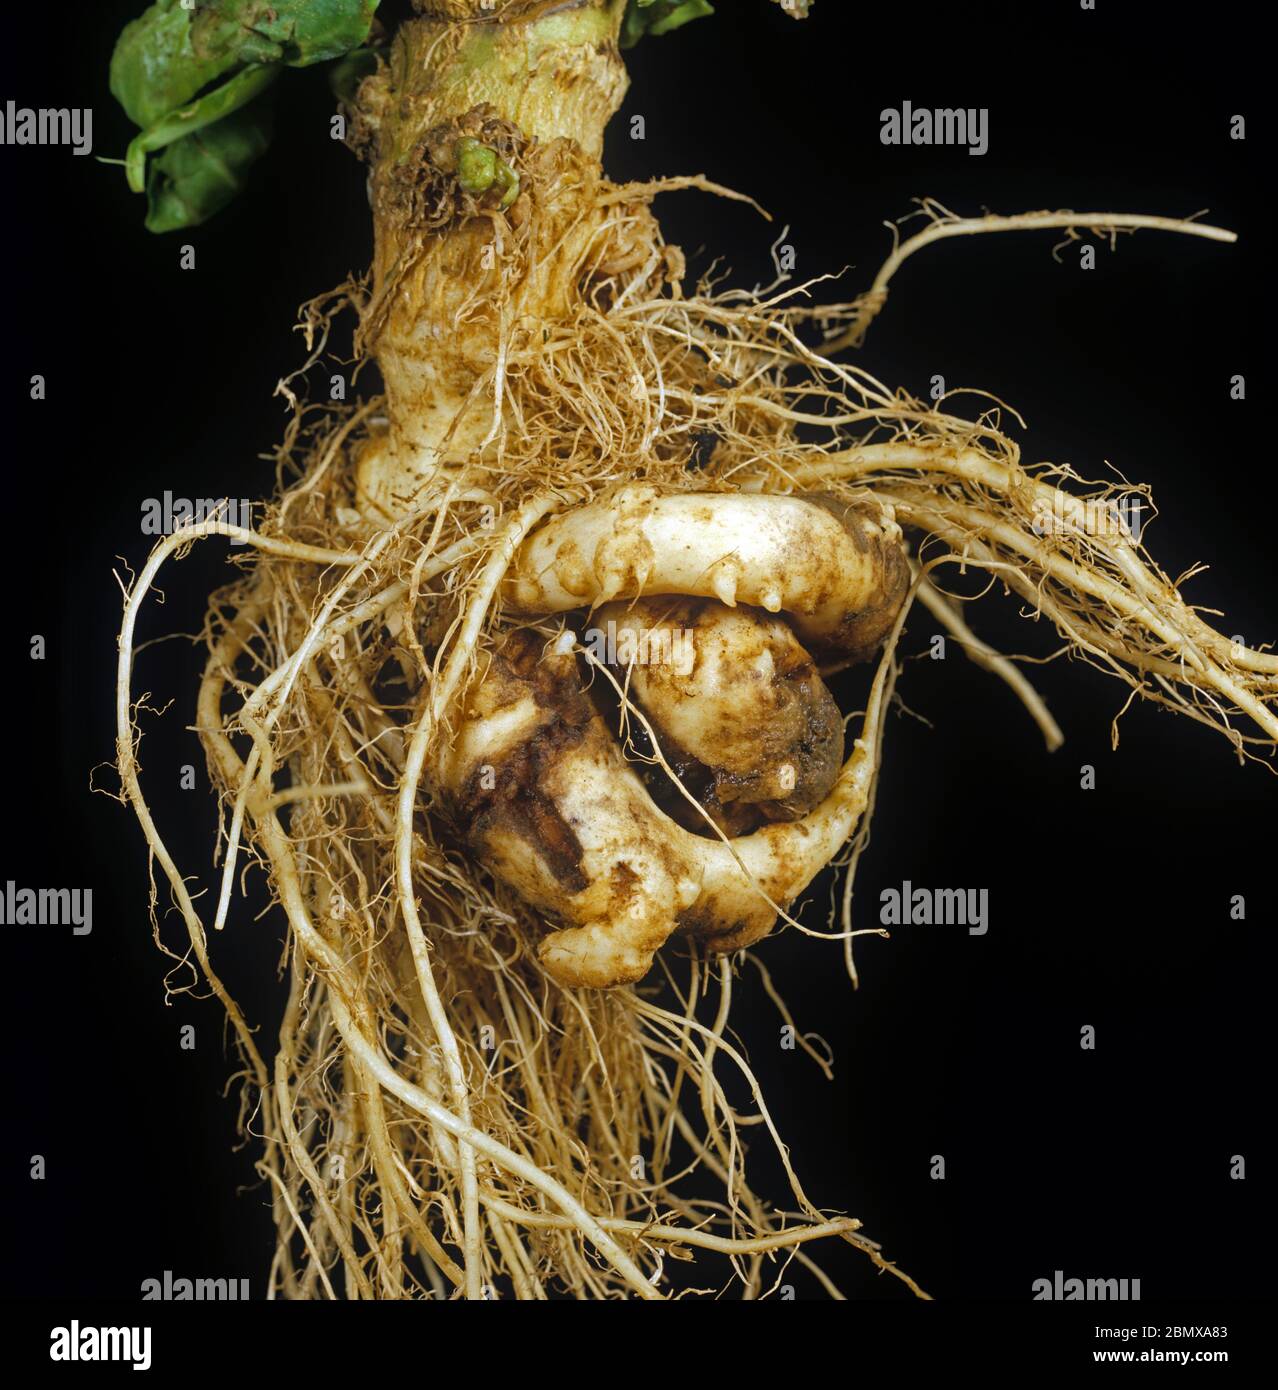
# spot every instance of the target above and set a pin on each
(861, 633)
(516, 803)
(733, 817)
(739, 803)
(815, 752)
(715, 937)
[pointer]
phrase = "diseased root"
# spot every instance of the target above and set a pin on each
(736, 704)
(445, 1113)
(837, 570)
(551, 804)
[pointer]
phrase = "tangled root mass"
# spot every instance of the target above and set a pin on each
(439, 1115)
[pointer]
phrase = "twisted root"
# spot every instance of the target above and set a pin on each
(552, 805)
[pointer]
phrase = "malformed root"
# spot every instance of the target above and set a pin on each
(836, 569)
(479, 825)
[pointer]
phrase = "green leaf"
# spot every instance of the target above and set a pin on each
(199, 174)
(296, 32)
(154, 69)
(211, 107)
(165, 71)
(659, 17)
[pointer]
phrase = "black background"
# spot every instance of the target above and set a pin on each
(1108, 907)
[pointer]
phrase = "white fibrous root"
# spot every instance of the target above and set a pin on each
(550, 803)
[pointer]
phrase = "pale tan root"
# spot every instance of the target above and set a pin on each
(781, 554)
(494, 1129)
(341, 1212)
(734, 690)
(645, 876)
(984, 656)
(944, 224)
